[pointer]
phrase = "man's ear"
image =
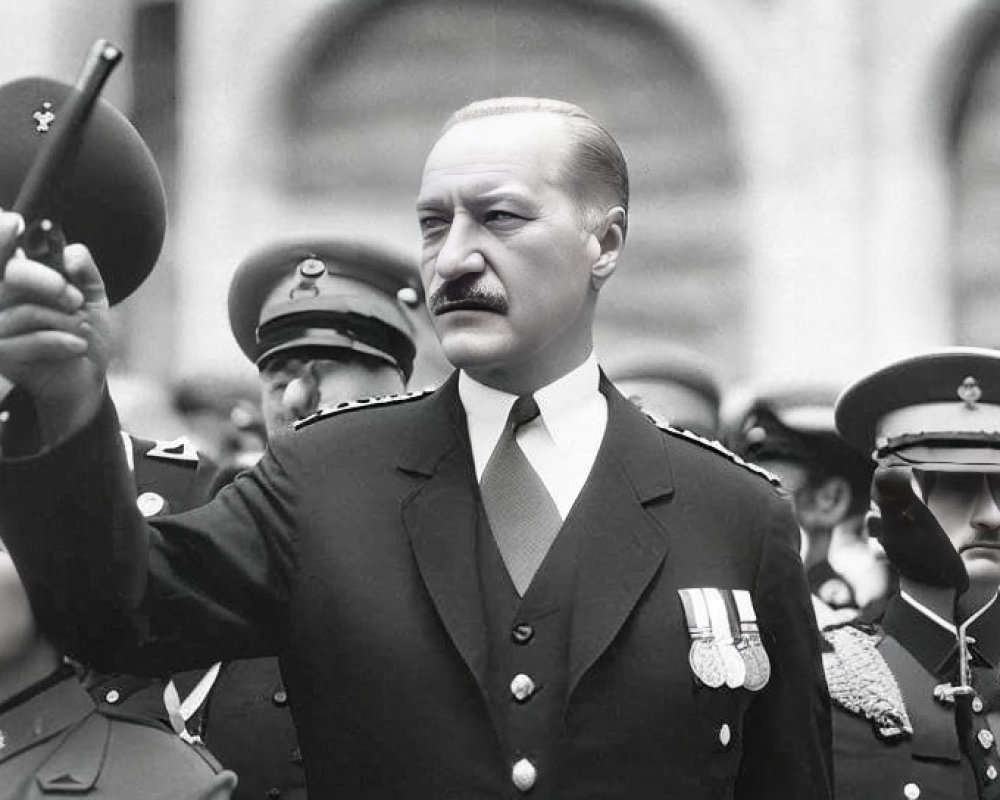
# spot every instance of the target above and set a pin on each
(610, 234)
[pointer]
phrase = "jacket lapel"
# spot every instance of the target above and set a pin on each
(622, 542)
(440, 517)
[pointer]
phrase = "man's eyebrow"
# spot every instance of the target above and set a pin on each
(429, 205)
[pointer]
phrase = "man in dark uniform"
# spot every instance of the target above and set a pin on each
(326, 321)
(916, 697)
(514, 584)
(790, 432)
(54, 739)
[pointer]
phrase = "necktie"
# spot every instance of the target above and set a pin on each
(523, 517)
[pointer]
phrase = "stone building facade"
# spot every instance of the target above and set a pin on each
(816, 183)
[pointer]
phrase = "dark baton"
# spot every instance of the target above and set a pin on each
(42, 238)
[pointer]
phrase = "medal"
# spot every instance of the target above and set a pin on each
(722, 632)
(704, 656)
(706, 662)
(758, 665)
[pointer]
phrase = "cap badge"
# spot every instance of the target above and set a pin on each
(43, 117)
(310, 270)
(969, 392)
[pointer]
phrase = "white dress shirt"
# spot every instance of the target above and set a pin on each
(561, 444)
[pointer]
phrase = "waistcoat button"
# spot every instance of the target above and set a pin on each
(523, 774)
(522, 687)
(522, 634)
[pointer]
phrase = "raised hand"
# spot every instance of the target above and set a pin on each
(54, 335)
(911, 535)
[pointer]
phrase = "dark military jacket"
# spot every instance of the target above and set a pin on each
(896, 734)
(248, 727)
(349, 551)
(245, 720)
(55, 743)
(169, 477)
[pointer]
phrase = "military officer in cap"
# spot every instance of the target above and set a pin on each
(790, 431)
(326, 321)
(916, 697)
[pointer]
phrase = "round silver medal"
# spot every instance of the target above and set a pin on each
(706, 663)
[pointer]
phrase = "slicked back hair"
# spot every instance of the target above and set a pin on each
(596, 166)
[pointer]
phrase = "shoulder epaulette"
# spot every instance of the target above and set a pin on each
(861, 682)
(716, 446)
(75, 765)
(357, 405)
(177, 450)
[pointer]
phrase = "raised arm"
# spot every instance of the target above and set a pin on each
(54, 335)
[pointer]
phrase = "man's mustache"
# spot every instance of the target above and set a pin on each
(466, 294)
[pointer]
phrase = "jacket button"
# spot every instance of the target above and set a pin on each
(150, 504)
(725, 734)
(985, 738)
(522, 687)
(977, 705)
(523, 774)
(991, 773)
(522, 634)
(911, 791)
(280, 697)
(113, 696)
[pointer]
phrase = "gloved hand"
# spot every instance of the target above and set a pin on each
(911, 535)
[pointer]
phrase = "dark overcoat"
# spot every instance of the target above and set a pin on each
(350, 552)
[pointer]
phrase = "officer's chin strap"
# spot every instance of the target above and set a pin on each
(179, 712)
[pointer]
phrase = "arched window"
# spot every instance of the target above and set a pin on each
(374, 81)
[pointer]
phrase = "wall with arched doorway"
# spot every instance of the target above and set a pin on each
(334, 125)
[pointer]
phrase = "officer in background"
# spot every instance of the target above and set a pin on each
(326, 321)
(53, 740)
(790, 432)
(673, 385)
(916, 697)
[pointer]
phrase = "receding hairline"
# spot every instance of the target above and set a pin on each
(581, 129)
(506, 106)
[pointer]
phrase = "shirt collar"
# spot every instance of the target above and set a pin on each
(487, 408)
